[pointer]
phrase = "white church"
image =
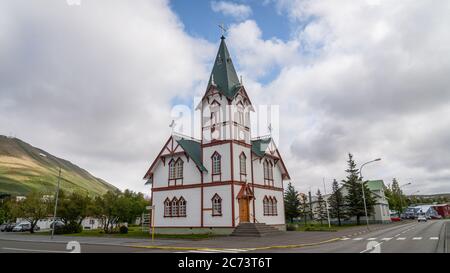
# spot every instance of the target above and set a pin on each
(224, 179)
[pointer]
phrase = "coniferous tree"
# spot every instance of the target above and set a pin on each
(354, 198)
(320, 211)
(337, 203)
(304, 207)
(291, 203)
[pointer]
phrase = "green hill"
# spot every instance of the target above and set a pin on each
(23, 169)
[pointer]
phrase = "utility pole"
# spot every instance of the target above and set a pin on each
(326, 203)
(310, 206)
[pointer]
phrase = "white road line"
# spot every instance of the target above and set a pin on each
(434, 238)
(397, 235)
(345, 239)
(34, 250)
(417, 238)
(371, 239)
(401, 239)
(358, 239)
(386, 239)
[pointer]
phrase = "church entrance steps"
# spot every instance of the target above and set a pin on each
(255, 230)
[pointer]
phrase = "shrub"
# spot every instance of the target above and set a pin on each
(70, 228)
(291, 227)
(123, 230)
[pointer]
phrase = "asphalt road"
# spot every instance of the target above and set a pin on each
(407, 238)
(424, 237)
(7, 246)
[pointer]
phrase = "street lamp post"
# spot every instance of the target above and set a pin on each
(401, 198)
(57, 196)
(362, 188)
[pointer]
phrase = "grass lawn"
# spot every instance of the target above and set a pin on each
(319, 227)
(136, 232)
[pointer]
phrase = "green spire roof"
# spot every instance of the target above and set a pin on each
(223, 75)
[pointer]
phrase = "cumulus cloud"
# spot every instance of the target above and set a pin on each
(93, 83)
(367, 77)
(237, 11)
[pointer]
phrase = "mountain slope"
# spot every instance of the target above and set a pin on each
(23, 169)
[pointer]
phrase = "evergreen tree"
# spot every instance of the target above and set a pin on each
(291, 203)
(337, 203)
(354, 198)
(304, 207)
(320, 211)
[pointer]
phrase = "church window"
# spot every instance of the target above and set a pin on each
(216, 163)
(172, 174)
(266, 205)
(179, 168)
(243, 163)
(182, 207)
(216, 205)
(174, 212)
(167, 208)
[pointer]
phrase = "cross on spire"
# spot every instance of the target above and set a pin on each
(224, 30)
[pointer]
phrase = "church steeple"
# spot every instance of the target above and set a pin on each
(223, 75)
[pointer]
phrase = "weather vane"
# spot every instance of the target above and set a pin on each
(224, 30)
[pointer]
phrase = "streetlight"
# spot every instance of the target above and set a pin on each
(57, 195)
(401, 197)
(362, 188)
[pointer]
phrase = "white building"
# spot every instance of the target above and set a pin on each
(225, 178)
(381, 212)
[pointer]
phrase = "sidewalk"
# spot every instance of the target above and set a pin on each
(286, 239)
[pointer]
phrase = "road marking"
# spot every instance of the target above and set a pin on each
(386, 239)
(401, 239)
(371, 239)
(345, 239)
(434, 238)
(417, 238)
(357, 239)
(372, 248)
(33, 250)
(397, 235)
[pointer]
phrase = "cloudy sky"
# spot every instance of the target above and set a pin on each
(95, 83)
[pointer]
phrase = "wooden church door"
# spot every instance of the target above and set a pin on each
(244, 215)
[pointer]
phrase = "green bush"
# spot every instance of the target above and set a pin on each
(291, 227)
(123, 230)
(70, 228)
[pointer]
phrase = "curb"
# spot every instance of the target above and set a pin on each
(245, 248)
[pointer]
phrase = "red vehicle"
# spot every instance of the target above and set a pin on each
(395, 219)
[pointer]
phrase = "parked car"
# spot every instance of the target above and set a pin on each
(422, 218)
(395, 219)
(58, 224)
(2, 227)
(22, 227)
(8, 227)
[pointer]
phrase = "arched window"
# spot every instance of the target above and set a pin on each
(179, 168)
(268, 172)
(266, 205)
(216, 205)
(182, 207)
(274, 206)
(243, 163)
(174, 212)
(216, 163)
(270, 206)
(172, 174)
(167, 208)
